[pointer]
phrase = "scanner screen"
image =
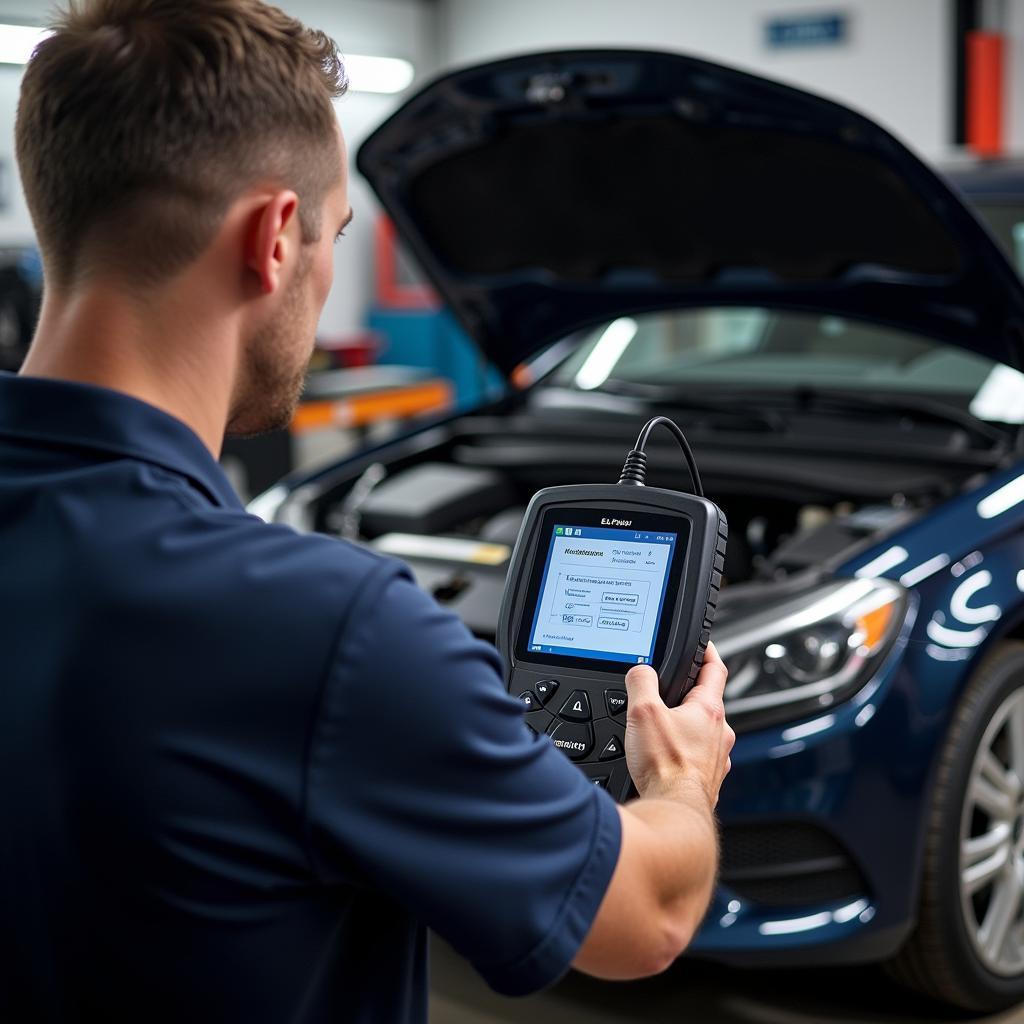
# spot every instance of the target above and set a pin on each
(602, 593)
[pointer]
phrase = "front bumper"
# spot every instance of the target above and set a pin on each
(823, 822)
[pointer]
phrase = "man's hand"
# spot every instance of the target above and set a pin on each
(663, 881)
(668, 748)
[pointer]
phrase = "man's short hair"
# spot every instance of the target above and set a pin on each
(140, 121)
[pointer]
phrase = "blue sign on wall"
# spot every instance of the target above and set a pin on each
(807, 30)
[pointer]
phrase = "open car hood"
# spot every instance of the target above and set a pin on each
(548, 192)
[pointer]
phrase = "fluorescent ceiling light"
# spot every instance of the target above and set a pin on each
(18, 41)
(1001, 396)
(968, 614)
(606, 353)
(799, 732)
(377, 74)
(883, 563)
(1006, 497)
(921, 572)
(795, 924)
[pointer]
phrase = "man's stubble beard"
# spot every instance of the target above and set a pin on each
(272, 378)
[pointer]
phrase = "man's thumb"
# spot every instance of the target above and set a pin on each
(642, 685)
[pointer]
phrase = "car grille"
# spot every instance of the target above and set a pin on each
(787, 865)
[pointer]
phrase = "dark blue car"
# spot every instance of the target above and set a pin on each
(626, 233)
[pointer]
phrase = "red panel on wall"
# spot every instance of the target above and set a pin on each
(984, 106)
(392, 291)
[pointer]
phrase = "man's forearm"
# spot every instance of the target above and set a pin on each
(660, 891)
(668, 861)
(682, 849)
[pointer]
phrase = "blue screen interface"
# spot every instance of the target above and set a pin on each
(601, 593)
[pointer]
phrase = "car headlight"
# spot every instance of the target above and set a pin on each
(808, 652)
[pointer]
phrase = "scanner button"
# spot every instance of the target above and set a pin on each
(616, 701)
(613, 748)
(545, 689)
(529, 700)
(575, 741)
(538, 721)
(577, 707)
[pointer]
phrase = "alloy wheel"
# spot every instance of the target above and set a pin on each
(992, 842)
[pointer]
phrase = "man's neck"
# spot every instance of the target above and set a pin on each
(174, 355)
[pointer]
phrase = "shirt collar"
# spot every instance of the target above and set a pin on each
(66, 414)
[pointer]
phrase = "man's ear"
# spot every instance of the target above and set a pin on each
(270, 241)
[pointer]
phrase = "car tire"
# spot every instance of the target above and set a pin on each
(952, 954)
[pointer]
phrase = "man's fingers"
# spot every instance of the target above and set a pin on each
(711, 680)
(711, 655)
(642, 685)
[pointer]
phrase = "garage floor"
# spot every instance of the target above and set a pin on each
(692, 992)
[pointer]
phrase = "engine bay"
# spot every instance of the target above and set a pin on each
(452, 510)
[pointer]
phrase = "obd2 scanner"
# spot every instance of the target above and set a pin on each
(603, 577)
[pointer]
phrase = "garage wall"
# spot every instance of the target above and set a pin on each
(1015, 76)
(384, 28)
(897, 66)
(387, 28)
(15, 227)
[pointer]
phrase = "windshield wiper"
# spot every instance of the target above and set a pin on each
(737, 403)
(915, 407)
(680, 397)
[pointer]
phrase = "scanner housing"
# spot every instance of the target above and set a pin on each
(591, 731)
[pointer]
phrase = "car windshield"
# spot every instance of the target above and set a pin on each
(768, 350)
(1005, 219)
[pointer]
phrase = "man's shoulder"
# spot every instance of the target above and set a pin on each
(269, 557)
(235, 567)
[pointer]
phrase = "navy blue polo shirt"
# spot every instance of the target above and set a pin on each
(243, 770)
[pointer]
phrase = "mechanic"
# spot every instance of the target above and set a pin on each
(244, 770)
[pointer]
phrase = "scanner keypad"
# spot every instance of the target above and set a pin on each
(539, 721)
(577, 707)
(615, 701)
(545, 689)
(576, 741)
(588, 725)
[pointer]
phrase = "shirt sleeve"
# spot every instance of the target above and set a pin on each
(424, 781)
